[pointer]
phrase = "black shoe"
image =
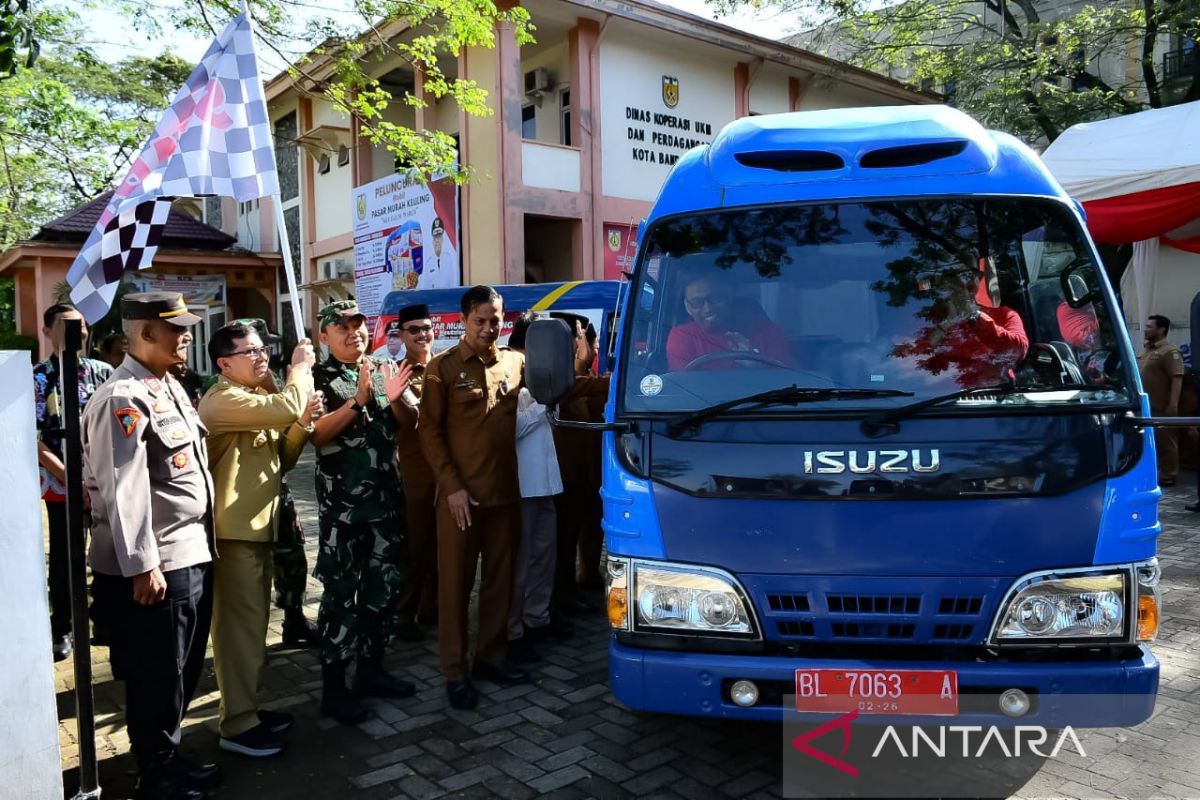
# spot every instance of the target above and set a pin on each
(503, 675)
(558, 628)
(522, 651)
(371, 681)
(1194, 508)
(258, 742)
(298, 631)
(162, 785)
(462, 695)
(410, 631)
(275, 721)
(577, 606)
(62, 647)
(204, 777)
(336, 700)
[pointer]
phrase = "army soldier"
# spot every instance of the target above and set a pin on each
(363, 550)
(1161, 367)
(419, 601)
(146, 472)
(468, 431)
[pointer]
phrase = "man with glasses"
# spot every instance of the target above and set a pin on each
(255, 435)
(720, 326)
(363, 552)
(418, 604)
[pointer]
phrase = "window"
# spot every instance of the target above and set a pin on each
(343, 156)
(565, 112)
(528, 123)
(323, 164)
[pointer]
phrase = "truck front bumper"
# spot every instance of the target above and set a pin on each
(1115, 693)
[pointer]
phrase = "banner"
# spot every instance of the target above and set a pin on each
(406, 236)
(620, 248)
(208, 290)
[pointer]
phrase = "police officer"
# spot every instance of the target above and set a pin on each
(468, 430)
(146, 472)
(419, 601)
(363, 549)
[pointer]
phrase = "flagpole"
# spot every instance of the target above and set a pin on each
(285, 246)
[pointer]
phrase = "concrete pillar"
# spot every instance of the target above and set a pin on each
(29, 756)
(583, 45)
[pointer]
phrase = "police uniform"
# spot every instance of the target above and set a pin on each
(420, 493)
(146, 472)
(363, 552)
(1160, 364)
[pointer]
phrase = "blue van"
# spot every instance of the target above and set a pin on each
(876, 438)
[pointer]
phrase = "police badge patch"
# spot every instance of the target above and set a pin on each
(128, 419)
(670, 90)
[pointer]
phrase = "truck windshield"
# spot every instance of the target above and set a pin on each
(917, 297)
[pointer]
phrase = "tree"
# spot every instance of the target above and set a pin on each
(1031, 67)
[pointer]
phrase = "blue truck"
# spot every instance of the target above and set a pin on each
(876, 439)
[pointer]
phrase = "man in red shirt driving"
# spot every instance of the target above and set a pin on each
(717, 327)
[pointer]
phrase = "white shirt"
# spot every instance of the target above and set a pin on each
(537, 461)
(439, 271)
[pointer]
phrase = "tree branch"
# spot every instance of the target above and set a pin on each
(1152, 88)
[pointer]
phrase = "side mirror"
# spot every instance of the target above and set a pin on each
(1074, 288)
(549, 360)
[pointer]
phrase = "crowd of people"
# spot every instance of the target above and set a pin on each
(427, 468)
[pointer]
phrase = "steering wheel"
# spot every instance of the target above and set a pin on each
(734, 355)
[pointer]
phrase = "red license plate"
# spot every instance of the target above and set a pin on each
(927, 692)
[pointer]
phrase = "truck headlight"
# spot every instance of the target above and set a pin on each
(1052, 608)
(686, 599)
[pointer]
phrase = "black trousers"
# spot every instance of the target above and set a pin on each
(158, 650)
(60, 570)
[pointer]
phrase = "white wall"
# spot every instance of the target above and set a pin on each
(29, 757)
(1177, 281)
(769, 92)
(632, 67)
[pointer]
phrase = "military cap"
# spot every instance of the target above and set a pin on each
(393, 328)
(337, 311)
(167, 306)
(409, 313)
(260, 327)
(437, 226)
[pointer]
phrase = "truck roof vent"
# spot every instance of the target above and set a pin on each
(911, 155)
(792, 160)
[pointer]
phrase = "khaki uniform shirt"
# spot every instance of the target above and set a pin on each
(468, 426)
(1159, 364)
(414, 467)
(254, 437)
(146, 473)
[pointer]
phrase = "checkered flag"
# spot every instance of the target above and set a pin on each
(215, 139)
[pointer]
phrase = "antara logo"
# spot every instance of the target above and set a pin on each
(864, 462)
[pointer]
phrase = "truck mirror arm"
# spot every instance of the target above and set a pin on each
(616, 427)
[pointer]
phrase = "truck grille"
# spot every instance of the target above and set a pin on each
(864, 609)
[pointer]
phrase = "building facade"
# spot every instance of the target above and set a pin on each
(587, 123)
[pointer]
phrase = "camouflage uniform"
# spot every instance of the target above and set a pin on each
(363, 554)
(291, 566)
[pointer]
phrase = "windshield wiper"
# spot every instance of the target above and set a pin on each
(788, 395)
(872, 424)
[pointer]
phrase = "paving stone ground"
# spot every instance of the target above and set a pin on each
(565, 736)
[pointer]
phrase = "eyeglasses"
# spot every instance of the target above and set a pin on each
(253, 352)
(714, 299)
(413, 330)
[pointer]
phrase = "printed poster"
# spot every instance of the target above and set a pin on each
(406, 236)
(620, 249)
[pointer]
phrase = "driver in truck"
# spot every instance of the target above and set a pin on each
(721, 324)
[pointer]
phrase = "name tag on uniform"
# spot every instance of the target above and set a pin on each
(467, 384)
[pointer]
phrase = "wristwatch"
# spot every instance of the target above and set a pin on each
(357, 406)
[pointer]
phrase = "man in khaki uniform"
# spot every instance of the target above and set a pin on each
(256, 436)
(468, 431)
(146, 474)
(418, 603)
(1161, 367)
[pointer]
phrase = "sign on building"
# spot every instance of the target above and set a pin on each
(406, 236)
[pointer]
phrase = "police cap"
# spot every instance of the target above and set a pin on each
(167, 306)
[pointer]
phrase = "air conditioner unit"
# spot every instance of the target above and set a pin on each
(335, 269)
(537, 82)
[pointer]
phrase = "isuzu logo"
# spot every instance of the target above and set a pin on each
(864, 462)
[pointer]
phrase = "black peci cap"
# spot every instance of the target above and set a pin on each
(409, 313)
(167, 306)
